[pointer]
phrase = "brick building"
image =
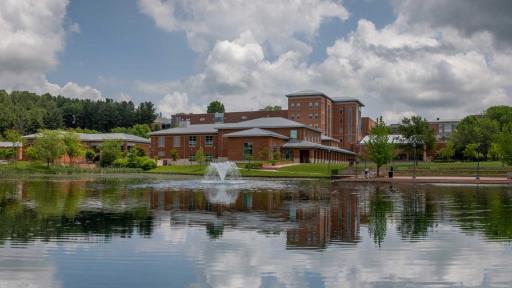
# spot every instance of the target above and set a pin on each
(315, 128)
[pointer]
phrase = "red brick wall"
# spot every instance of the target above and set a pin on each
(340, 124)
(304, 111)
(367, 125)
(236, 147)
(184, 150)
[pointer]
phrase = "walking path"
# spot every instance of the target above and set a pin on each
(431, 179)
(275, 167)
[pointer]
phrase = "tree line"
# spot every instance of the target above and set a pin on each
(487, 136)
(28, 112)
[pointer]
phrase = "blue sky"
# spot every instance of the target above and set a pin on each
(434, 58)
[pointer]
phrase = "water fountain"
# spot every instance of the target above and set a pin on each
(222, 171)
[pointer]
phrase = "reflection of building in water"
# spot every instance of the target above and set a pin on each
(320, 225)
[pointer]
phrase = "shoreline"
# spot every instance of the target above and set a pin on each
(429, 179)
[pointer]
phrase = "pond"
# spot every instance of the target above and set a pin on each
(183, 232)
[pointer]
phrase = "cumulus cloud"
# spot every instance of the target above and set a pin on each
(32, 34)
(275, 23)
(424, 66)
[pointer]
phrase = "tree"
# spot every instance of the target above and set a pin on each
(17, 140)
(505, 143)
(448, 151)
(141, 130)
(110, 151)
(74, 147)
(496, 153)
(174, 154)
(476, 130)
(90, 155)
(380, 150)
(501, 114)
(49, 146)
(417, 130)
(470, 152)
(272, 108)
(215, 107)
(200, 157)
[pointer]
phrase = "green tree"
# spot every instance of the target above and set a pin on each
(74, 147)
(505, 143)
(49, 146)
(174, 154)
(200, 156)
(417, 130)
(110, 151)
(448, 151)
(470, 152)
(17, 140)
(272, 108)
(476, 130)
(496, 152)
(215, 107)
(501, 114)
(141, 130)
(380, 150)
(90, 155)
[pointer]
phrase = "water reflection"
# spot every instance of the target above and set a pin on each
(364, 234)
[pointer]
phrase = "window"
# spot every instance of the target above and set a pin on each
(176, 141)
(349, 124)
(310, 104)
(316, 104)
(192, 141)
(209, 157)
(208, 140)
(297, 117)
(293, 106)
(192, 157)
(247, 151)
(161, 153)
(161, 141)
(298, 106)
(219, 118)
(293, 117)
(293, 134)
(316, 115)
(310, 116)
(244, 117)
(201, 119)
(316, 126)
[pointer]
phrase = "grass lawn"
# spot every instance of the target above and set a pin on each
(405, 168)
(301, 170)
(28, 167)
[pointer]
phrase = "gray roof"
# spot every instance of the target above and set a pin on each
(99, 137)
(266, 122)
(256, 132)
(327, 138)
(306, 93)
(191, 129)
(308, 145)
(263, 122)
(6, 144)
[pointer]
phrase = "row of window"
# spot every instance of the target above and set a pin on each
(311, 105)
(192, 141)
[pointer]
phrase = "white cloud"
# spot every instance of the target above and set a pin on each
(275, 23)
(399, 70)
(32, 34)
(177, 102)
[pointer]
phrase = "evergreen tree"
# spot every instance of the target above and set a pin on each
(215, 107)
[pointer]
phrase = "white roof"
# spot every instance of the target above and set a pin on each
(392, 138)
(191, 129)
(307, 144)
(99, 137)
(5, 144)
(256, 132)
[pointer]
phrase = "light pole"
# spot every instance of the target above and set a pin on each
(414, 164)
(478, 162)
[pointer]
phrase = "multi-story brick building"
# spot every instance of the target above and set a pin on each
(315, 128)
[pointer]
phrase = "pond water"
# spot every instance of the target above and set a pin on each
(122, 232)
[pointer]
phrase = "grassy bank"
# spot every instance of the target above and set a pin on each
(487, 168)
(301, 170)
(31, 168)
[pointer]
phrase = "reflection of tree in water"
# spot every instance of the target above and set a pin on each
(215, 230)
(416, 215)
(380, 205)
(46, 210)
(489, 211)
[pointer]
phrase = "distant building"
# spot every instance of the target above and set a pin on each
(94, 141)
(315, 128)
(10, 145)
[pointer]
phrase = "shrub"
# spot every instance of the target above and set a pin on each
(90, 155)
(253, 165)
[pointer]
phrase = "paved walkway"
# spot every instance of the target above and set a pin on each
(432, 179)
(275, 167)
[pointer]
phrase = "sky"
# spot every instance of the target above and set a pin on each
(436, 58)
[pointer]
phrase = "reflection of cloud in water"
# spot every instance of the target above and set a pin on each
(199, 184)
(222, 194)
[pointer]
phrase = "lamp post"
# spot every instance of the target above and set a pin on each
(478, 162)
(414, 164)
